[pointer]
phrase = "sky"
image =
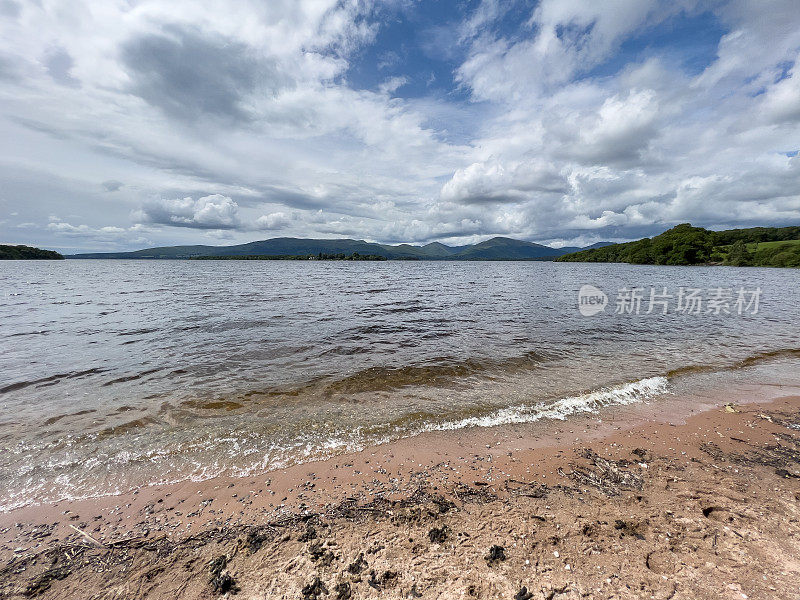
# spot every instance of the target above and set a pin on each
(127, 124)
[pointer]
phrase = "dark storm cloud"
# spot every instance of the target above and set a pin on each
(59, 64)
(188, 75)
(112, 185)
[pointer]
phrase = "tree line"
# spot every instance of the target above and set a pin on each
(688, 245)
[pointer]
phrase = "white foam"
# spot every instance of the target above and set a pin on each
(629, 393)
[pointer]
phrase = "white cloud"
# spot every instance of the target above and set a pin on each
(569, 37)
(492, 181)
(273, 221)
(782, 100)
(209, 212)
(393, 84)
(63, 227)
(623, 127)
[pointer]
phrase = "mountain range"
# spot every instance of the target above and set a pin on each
(498, 248)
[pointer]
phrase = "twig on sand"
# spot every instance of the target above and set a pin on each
(88, 537)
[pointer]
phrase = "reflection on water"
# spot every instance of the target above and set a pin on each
(120, 373)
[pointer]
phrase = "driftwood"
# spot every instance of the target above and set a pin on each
(609, 476)
(88, 537)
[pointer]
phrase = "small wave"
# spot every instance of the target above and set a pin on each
(50, 380)
(691, 370)
(133, 377)
(439, 372)
(766, 356)
(376, 379)
(137, 332)
(127, 427)
(749, 361)
(57, 418)
(629, 393)
(369, 331)
(27, 333)
(213, 404)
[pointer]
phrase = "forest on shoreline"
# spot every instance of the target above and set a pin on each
(8, 252)
(687, 245)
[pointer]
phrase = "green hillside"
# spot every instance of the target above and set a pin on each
(27, 253)
(687, 245)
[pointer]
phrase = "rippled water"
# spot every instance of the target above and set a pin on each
(115, 374)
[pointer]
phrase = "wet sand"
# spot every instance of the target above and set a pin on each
(680, 499)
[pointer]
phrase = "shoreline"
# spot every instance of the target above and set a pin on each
(537, 434)
(680, 391)
(473, 473)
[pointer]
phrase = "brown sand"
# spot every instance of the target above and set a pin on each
(643, 504)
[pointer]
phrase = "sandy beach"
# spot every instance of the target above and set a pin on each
(676, 500)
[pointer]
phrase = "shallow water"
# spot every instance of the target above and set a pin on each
(115, 374)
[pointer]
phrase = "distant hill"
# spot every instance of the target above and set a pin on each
(27, 253)
(498, 248)
(687, 245)
(507, 249)
(571, 249)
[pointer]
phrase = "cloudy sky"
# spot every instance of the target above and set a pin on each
(133, 123)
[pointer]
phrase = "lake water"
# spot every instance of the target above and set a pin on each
(116, 374)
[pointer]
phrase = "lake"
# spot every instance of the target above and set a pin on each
(117, 374)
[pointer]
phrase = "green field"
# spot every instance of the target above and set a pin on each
(767, 245)
(753, 246)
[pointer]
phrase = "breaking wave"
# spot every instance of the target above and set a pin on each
(628, 393)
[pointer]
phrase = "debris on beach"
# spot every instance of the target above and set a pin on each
(523, 594)
(481, 495)
(253, 540)
(630, 528)
(386, 579)
(309, 534)
(43, 582)
(496, 554)
(438, 535)
(527, 489)
(321, 554)
(609, 476)
(358, 565)
(314, 590)
(221, 581)
(343, 591)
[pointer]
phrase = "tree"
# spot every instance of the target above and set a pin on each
(739, 255)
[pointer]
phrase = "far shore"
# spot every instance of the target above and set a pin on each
(683, 499)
